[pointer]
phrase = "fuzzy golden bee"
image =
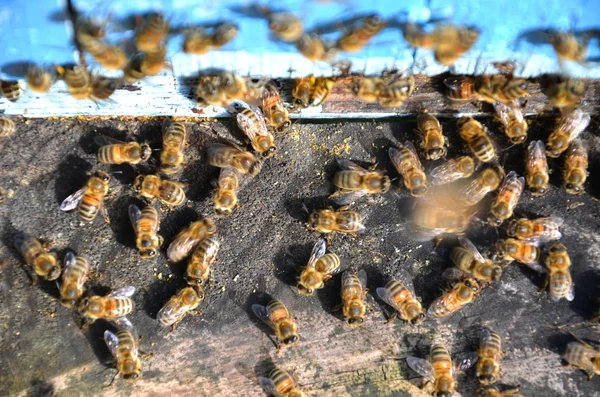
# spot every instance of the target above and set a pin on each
(89, 200)
(204, 255)
(74, 276)
(315, 48)
(274, 109)
(462, 293)
(407, 163)
(477, 139)
(355, 182)
(490, 352)
(302, 90)
(102, 88)
(189, 238)
(225, 196)
(332, 221)
(434, 143)
(45, 264)
(583, 356)
(417, 37)
(114, 151)
(284, 25)
(223, 33)
(153, 62)
(493, 391)
(253, 123)
(433, 220)
(452, 42)
(171, 156)
(565, 94)
(485, 182)
(559, 281)
(153, 187)
(10, 89)
(522, 251)
(186, 300)
(280, 384)
(124, 348)
(568, 129)
(461, 89)
(7, 127)
(132, 71)
(576, 165)
(320, 90)
(538, 229)
(226, 156)
(232, 85)
(500, 88)
(146, 224)
(39, 79)
(568, 47)
(390, 92)
(400, 294)
(278, 317)
(453, 170)
(111, 307)
(356, 39)
(209, 92)
(354, 294)
(536, 168)
(515, 125)
(197, 41)
(505, 202)
(78, 81)
(319, 268)
(110, 57)
(152, 33)
(468, 259)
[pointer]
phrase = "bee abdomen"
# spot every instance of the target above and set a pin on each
(89, 207)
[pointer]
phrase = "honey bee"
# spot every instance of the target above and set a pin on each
(205, 254)
(468, 259)
(566, 94)
(440, 370)
(78, 81)
(102, 87)
(522, 251)
(515, 126)
(487, 181)
(407, 163)
(355, 39)
(285, 26)
(124, 348)
(180, 304)
(10, 89)
(45, 264)
(171, 157)
(280, 384)
(38, 79)
(569, 128)
(232, 85)
(73, 278)
(252, 122)
(90, 26)
(278, 317)
(153, 187)
(401, 296)
(390, 93)
(434, 142)
(567, 47)
(416, 37)
(108, 56)
(461, 89)
(583, 356)
(477, 139)
(537, 168)
(320, 90)
(576, 164)
(451, 42)
(302, 90)
(113, 151)
(111, 307)
(197, 41)
(7, 126)
(223, 33)
(146, 224)
(152, 33)
(153, 62)
(314, 48)
(493, 391)
(132, 71)
(500, 88)
(505, 202)
(368, 88)
(275, 111)
(226, 156)
(432, 220)
(453, 170)
(539, 229)
(209, 91)
(331, 221)
(559, 281)
(490, 352)
(89, 200)
(319, 268)
(188, 238)
(355, 182)
(354, 294)
(462, 293)
(225, 197)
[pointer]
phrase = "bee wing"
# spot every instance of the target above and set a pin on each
(485, 336)
(575, 123)
(404, 277)
(125, 292)
(134, 216)
(70, 259)
(503, 111)
(445, 173)
(386, 295)
(453, 274)
(396, 157)
(512, 180)
(556, 219)
(455, 82)
(269, 386)
(571, 294)
(346, 197)
(71, 202)
(226, 173)
(318, 251)
(350, 165)
(362, 276)
(124, 323)
(422, 367)
(472, 192)
(469, 246)
(464, 361)
(181, 246)
(536, 266)
(536, 155)
(173, 309)
(416, 159)
(112, 342)
(262, 313)
(103, 140)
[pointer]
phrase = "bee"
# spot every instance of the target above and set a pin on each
(314, 48)
(152, 33)
(539, 229)
(499, 88)
(205, 254)
(209, 91)
(493, 391)
(583, 356)
(45, 264)
(197, 41)
(434, 142)
(537, 168)
(487, 181)
(223, 33)
(188, 238)
(302, 90)
(89, 200)
(515, 125)
(153, 187)
(108, 56)
(566, 94)
(401, 296)
(331, 221)
(505, 202)
(453, 170)
(226, 156)
(111, 307)
(252, 122)
(477, 139)
(576, 164)
(132, 71)
(153, 62)
(102, 87)
(10, 89)
(73, 278)
(355, 182)
(146, 224)
(78, 81)
(461, 89)
(567, 47)
(440, 370)
(232, 85)
(285, 26)
(354, 294)
(124, 347)
(559, 281)
(451, 42)
(468, 259)
(462, 293)
(319, 268)
(278, 317)
(186, 300)
(275, 111)
(39, 79)
(320, 90)
(225, 197)
(7, 126)
(416, 37)
(171, 157)
(522, 251)
(490, 352)
(90, 26)
(432, 220)
(368, 88)
(280, 384)
(396, 91)
(113, 151)
(355, 39)
(407, 163)
(569, 128)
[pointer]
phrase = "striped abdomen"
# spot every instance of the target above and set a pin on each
(349, 180)
(171, 193)
(117, 307)
(352, 288)
(560, 284)
(327, 263)
(482, 148)
(348, 221)
(89, 206)
(284, 383)
(149, 221)
(277, 311)
(441, 361)
(78, 82)
(10, 89)
(580, 355)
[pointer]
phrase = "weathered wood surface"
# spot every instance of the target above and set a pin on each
(222, 352)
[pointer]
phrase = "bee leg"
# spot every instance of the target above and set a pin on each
(437, 241)
(545, 286)
(196, 313)
(391, 318)
(105, 214)
(337, 308)
(113, 379)
(580, 341)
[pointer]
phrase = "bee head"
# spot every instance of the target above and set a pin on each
(444, 394)
(223, 212)
(290, 340)
(496, 273)
(419, 319)
(137, 183)
(270, 152)
(356, 321)
(146, 152)
(385, 183)
(419, 191)
(210, 225)
(301, 103)
(147, 254)
(494, 221)
(520, 138)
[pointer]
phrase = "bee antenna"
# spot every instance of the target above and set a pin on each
(305, 208)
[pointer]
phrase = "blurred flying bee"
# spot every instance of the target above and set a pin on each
(278, 317)
(180, 304)
(226, 156)
(223, 33)
(108, 56)
(197, 41)
(189, 238)
(487, 181)
(152, 33)
(225, 197)
(73, 278)
(113, 151)
(153, 62)
(132, 71)
(576, 164)
(461, 89)
(515, 125)
(314, 48)
(500, 88)
(401, 296)
(432, 220)
(559, 280)
(407, 163)
(536, 167)
(102, 88)
(583, 356)
(171, 156)
(153, 187)
(493, 391)
(45, 264)
(232, 85)
(124, 348)
(146, 224)
(462, 293)
(539, 229)
(468, 259)
(302, 90)
(565, 94)
(354, 294)
(7, 126)
(320, 90)
(89, 200)
(391, 92)
(453, 170)
(280, 384)
(255, 90)
(319, 268)
(440, 370)
(505, 202)
(111, 307)
(331, 221)
(275, 111)
(287, 27)
(356, 182)
(451, 42)
(355, 39)
(417, 37)
(90, 26)
(78, 81)
(205, 254)
(490, 352)
(209, 91)
(567, 47)
(39, 79)
(368, 88)
(477, 139)
(433, 141)
(569, 128)
(10, 89)
(252, 122)
(522, 251)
